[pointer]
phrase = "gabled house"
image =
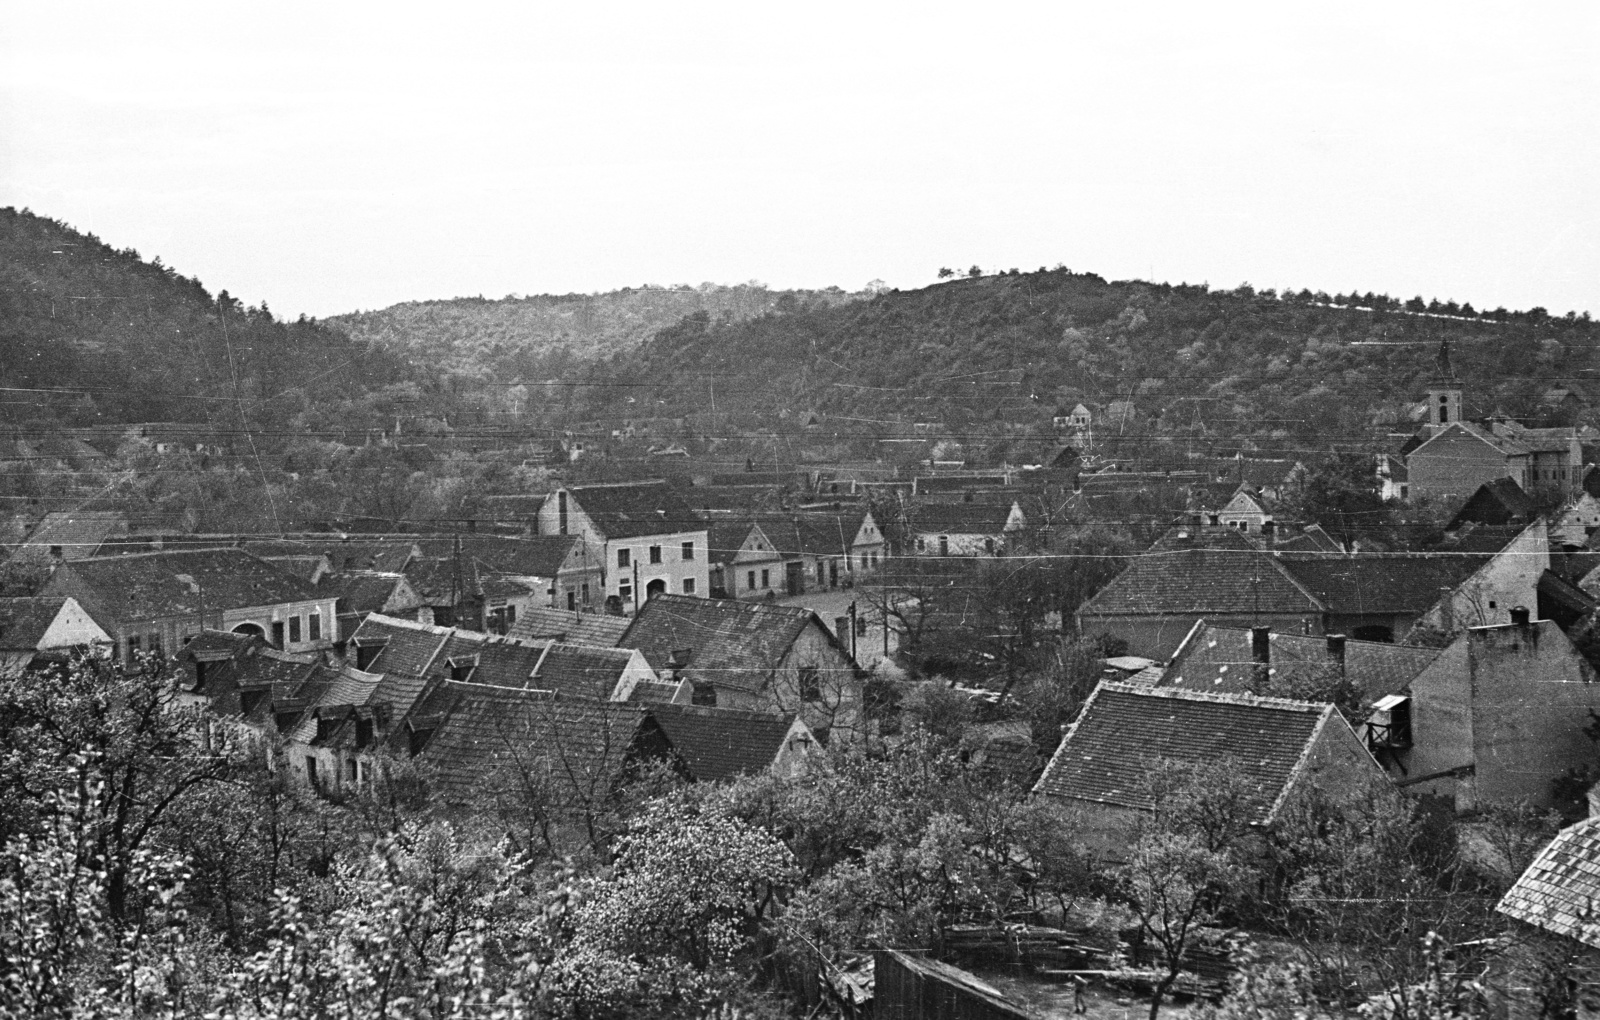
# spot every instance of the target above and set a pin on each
(755, 657)
(1497, 502)
(558, 571)
(648, 540)
(965, 529)
(713, 745)
(1244, 512)
(35, 630)
(1575, 522)
(153, 602)
(1283, 748)
(361, 595)
(1495, 719)
(745, 562)
(1394, 481)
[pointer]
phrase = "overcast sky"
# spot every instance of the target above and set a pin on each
(326, 157)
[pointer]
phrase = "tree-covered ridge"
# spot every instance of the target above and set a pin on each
(1014, 347)
(117, 338)
(534, 337)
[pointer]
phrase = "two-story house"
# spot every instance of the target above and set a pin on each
(648, 540)
(153, 602)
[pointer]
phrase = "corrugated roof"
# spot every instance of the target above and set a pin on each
(718, 744)
(1218, 660)
(1106, 754)
(736, 644)
(1561, 888)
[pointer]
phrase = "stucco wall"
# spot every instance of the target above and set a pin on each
(1456, 463)
(1508, 580)
(1441, 721)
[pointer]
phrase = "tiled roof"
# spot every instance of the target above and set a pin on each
(959, 518)
(578, 746)
(635, 510)
(1392, 583)
(726, 539)
(408, 647)
(78, 533)
(717, 744)
(1558, 591)
(654, 692)
(1561, 888)
(1200, 582)
(1218, 660)
(306, 568)
(23, 621)
(388, 555)
(1105, 754)
(582, 669)
(1495, 502)
(434, 578)
(535, 556)
(500, 663)
(736, 644)
(155, 585)
(364, 593)
(574, 628)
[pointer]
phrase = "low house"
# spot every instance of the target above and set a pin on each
(755, 657)
(1554, 941)
(1284, 748)
(1245, 512)
(1162, 594)
(1394, 482)
(153, 602)
(1575, 522)
(1498, 502)
(361, 595)
(713, 745)
(64, 536)
(745, 562)
(645, 537)
(1495, 719)
(35, 630)
(559, 571)
(964, 529)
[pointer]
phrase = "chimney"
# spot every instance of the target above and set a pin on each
(678, 660)
(1520, 616)
(1261, 645)
(1336, 649)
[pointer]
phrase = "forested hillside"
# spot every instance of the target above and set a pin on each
(544, 335)
(92, 335)
(1016, 346)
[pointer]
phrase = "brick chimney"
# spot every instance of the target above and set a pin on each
(1520, 616)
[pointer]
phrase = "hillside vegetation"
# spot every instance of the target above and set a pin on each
(1013, 348)
(92, 335)
(527, 338)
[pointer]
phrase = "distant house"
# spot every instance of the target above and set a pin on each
(1244, 513)
(1394, 481)
(648, 539)
(1494, 719)
(1284, 748)
(155, 601)
(38, 629)
(559, 571)
(752, 656)
(1498, 502)
(1554, 942)
(745, 562)
(64, 536)
(1575, 522)
(965, 529)
(1461, 456)
(823, 548)
(361, 595)
(578, 628)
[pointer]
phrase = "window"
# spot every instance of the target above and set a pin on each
(944, 545)
(750, 576)
(810, 684)
(586, 593)
(623, 558)
(314, 626)
(688, 586)
(655, 554)
(511, 616)
(625, 589)
(688, 550)
(133, 647)
(155, 644)
(561, 512)
(765, 579)
(311, 770)
(921, 545)
(294, 629)
(363, 732)
(350, 771)
(572, 601)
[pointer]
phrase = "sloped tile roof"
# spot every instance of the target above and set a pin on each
(23, 621)
(1558, 591)
(1218, 660)
(433, 578)
(736, 644)
(717, 744)
(1200, 582)
(1495, 502)
(582, 669)
(79, 533)
(387, 555)
(635, 510)
(654, 692)
(1383, 583)
(500, 663)
(1122, 728)
(364, 593)
(155, 585)
(529, 556)
(726, 539)
(409, 647)
(973, 518)
(1560, 891)
(578, 746)
(541, 623)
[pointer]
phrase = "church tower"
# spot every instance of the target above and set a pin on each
(1444, 391)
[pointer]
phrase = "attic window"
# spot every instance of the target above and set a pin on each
(1389, 725)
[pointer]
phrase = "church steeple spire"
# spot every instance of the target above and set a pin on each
(1442, 360)
(1444, 391)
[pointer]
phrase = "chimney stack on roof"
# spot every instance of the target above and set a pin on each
(1261, 645)
(1520, 616)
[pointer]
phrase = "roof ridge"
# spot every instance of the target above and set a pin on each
(428, 628)
(1249, 700)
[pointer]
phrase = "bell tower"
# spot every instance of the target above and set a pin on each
(1444, 391)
